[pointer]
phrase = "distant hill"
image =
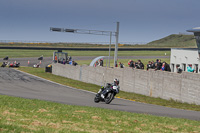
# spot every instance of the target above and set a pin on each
(174, 40)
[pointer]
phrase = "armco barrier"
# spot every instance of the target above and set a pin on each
(183, 87)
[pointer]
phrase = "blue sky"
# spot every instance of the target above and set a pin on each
(140, 20)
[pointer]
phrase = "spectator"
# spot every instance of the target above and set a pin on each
(96, 64)
(153, 64)
(156, 66)
(165, 67)
(178, 69)
(149, 65)
(140, 65)
(70, 62)
(69, 58)
(121, 65)
(63, 62)
(189, 68)
(159, 64)
(131, 63)
(101, 62)
(55, 58)
(74, 63)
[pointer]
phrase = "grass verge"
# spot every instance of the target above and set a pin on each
(14, 53)
(25, 115)
(94, 88)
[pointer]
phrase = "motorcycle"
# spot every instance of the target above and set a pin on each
(108, 92)
(36, 66)
(14, 64)
(4, 64)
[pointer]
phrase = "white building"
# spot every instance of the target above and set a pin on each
(184, 57)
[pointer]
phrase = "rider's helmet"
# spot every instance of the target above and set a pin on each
(116, 81)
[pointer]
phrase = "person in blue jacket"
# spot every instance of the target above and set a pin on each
(189, 68)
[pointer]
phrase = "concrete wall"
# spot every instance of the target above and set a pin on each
(183, 87)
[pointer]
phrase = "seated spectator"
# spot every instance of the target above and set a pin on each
(178, 69)
(121, 65)
(189, 68)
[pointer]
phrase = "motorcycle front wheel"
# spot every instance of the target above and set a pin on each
(109, 98)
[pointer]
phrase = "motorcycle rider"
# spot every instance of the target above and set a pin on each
(115, 86)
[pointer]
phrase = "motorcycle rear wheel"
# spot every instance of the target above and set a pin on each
(97, 99)
(109, 98)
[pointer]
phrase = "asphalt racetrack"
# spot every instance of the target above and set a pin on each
(19, 84)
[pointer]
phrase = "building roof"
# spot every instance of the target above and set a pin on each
(196, 29)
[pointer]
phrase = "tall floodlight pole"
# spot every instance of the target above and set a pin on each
(116, 45)
(95, 32)
(110, 48)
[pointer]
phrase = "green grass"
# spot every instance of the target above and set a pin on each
(24, 115)
(94, 88)
(13, 53)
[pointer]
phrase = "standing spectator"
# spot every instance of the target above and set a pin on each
(159, 64)
(55, 58)
(165, 67)
(74, 63)
(63, 62)
(131, 64)
(189, 68)
(101, 62)
(153, 64)
(121, 65)
(140, 65)
(156, 66)
(70, 62)
(69, 58)
(149, 65)
(96, 64)
(178, 69)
